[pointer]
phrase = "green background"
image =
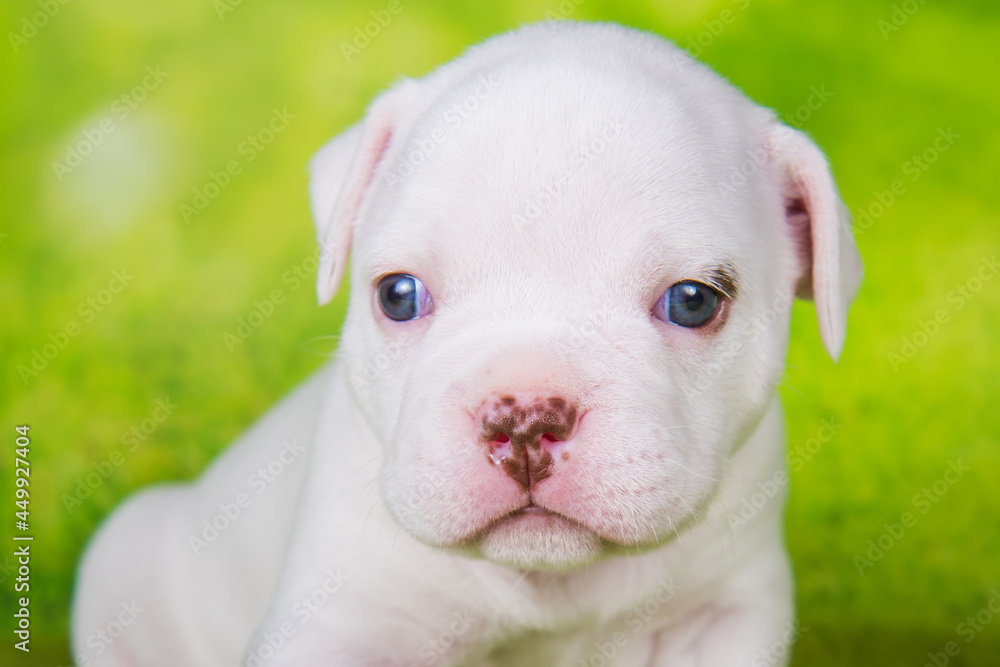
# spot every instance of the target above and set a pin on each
(61, 236)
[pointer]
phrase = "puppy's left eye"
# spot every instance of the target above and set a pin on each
(688, 304)
(403, 297)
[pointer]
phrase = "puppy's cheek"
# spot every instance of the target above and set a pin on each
(739, 381)
(438, 515)
(438, 483)
(632, 507)
(630, 482)
(377, 370)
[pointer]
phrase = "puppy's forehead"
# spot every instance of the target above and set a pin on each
(575, 168)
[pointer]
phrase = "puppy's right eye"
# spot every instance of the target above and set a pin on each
(689, 304)
(403, 297)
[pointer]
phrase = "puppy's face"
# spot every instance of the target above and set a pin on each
(569, 304)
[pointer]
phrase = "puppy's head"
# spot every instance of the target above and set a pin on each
(574, 254)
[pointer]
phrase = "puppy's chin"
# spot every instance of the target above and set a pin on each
(539, 541)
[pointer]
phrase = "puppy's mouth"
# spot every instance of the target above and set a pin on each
(530, 517)
(536, 538)
(531, 509)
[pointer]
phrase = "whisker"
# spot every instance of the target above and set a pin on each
(692, 472)
(334, 337)
(792, 389)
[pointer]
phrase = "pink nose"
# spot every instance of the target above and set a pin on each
(523, 434)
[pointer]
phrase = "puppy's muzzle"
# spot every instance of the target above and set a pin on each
(525, 435)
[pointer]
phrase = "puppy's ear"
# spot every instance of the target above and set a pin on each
(829, 263)
(341, 175)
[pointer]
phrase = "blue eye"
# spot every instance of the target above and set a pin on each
(688, 304)
(403, 297)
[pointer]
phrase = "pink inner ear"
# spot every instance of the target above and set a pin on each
(795, 205)
(367, 166)
(337, 240)
(829, 266)
(378, 151)
(797, 217)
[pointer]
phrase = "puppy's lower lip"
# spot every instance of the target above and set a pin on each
(534, 510)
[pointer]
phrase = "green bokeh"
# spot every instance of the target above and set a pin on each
(896, 75)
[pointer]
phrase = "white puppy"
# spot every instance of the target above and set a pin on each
(575, 251)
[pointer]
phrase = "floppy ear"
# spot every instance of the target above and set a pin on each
(341, 175)
(829, 264)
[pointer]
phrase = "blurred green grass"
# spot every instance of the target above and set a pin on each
(162, 336)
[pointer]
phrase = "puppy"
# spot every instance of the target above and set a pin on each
(574, 254)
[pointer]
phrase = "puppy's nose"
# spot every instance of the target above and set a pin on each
(523, 434)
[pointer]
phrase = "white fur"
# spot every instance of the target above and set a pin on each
(630, 154)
